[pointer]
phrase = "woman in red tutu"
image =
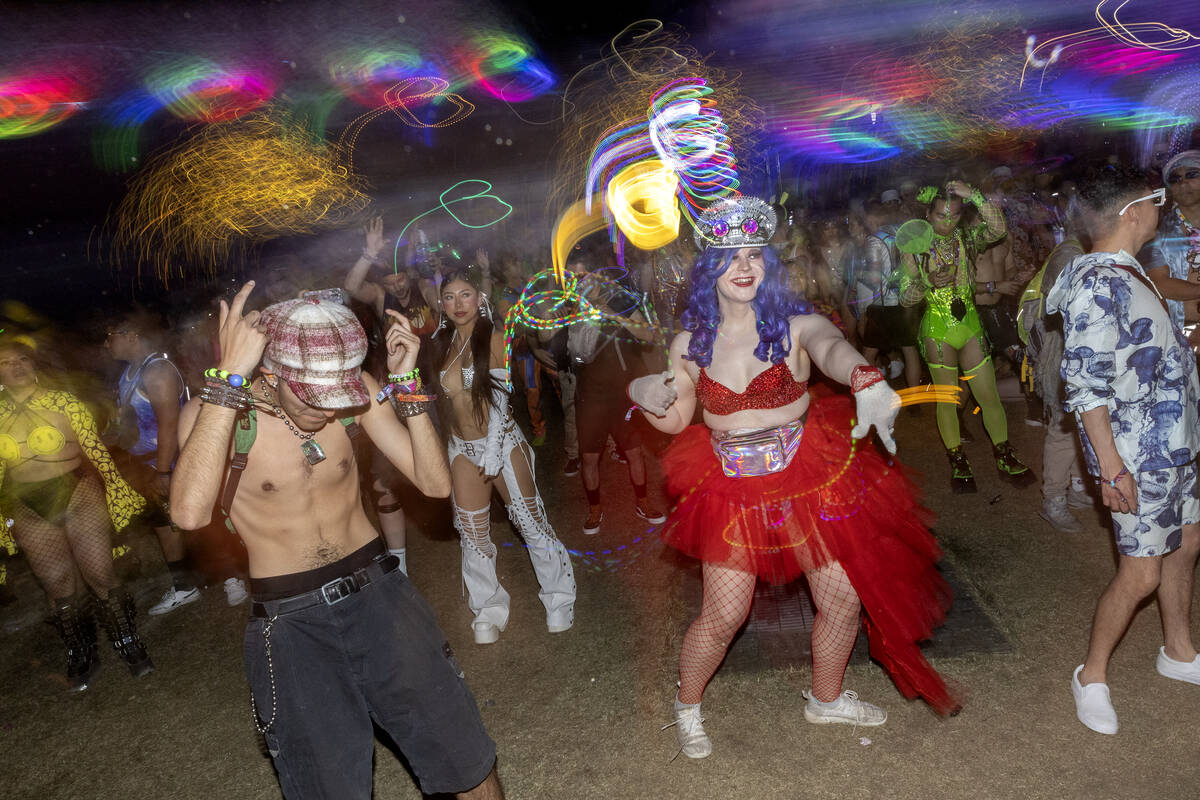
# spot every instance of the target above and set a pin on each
(776, 483)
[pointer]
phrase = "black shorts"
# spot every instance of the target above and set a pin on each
(890, 326)
(1000, 324)
(601, 412)
(376, 655)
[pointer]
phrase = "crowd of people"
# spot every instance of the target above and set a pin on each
(296, 397)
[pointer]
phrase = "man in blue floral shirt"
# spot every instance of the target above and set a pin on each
(1131, 381)
(1172, 259)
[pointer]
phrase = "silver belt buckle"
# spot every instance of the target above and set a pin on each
(337, 590)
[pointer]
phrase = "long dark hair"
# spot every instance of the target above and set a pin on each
(481, 348)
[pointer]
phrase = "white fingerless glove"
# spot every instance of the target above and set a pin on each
(653, 393)
(877, 405)
(493, 455)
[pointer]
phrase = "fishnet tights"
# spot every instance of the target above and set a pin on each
(834, 629)
(80, 545)
(727, 596)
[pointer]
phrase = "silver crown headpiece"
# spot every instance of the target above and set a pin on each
(736, 222)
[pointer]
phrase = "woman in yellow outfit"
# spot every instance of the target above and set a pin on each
(64, 495)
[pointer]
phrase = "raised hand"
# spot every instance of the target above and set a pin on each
(374, 231)
(242, 340)
(402, 344)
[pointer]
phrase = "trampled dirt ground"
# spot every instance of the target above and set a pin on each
(578, 715)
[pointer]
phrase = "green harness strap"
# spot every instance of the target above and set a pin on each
(244, 434)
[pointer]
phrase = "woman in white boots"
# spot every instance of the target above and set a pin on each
(484, 443)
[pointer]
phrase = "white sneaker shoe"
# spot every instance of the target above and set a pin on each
(849, 710)
(1187, 671)
(689, 730)
(485, 633)
(172, 599)
(235, 591)
(1093, 705)
(1055, 511)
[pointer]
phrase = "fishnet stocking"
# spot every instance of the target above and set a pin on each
(834, 629)
(727, 596)
(81, 545)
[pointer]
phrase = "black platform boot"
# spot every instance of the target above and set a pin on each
(117, 613)
(962, 480)
(75, 623)
(1010, 467)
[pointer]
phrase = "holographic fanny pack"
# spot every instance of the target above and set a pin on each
(761, 451)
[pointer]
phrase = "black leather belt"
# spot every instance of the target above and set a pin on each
(331, 593)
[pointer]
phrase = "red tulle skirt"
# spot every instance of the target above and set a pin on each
(838, 501)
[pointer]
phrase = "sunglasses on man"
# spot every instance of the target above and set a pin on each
(1179, 177)
(1159, 196)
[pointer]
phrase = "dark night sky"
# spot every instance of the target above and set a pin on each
(56, 196)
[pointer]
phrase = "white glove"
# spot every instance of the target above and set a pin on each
(654, 393)
(493, 456)
(877, 405)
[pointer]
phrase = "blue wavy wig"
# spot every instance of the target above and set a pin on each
(773, 305)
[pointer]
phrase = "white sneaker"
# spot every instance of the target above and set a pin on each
(1093, 705)
(172, 599)
(235, 591)
(1055, 511)
(849, 710)
(486, 633)
(1187, 671)
(689, 730)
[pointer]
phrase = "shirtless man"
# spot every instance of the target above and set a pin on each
(322, 584)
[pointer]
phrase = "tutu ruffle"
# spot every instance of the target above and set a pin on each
(838, 501)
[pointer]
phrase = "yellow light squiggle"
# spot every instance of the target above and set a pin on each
(641, 198)
(204, 203)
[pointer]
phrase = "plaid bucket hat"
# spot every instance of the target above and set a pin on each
(318, 348)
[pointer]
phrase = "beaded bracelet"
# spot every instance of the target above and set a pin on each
(232, 378)
(863, 376)
(1113, 483)
(413, 374)
(373, 258)
(977, 199)
(409, 389)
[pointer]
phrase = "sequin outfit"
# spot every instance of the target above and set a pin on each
(946, 320)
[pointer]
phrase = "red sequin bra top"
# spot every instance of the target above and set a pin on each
(773, 388)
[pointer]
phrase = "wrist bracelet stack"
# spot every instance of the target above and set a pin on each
(406, 395)
(1116, 478)
(373, 258)
(863, 376)
(977, 199)
(225, 389)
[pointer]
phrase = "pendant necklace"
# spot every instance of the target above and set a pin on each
(313, 453)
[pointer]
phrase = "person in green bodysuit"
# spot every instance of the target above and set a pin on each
(941, 273)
